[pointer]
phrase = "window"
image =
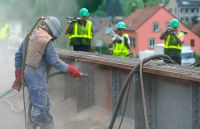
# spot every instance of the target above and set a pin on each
(152, 43)
(156, 27)
(186, 10)
(187, 19)
(132, 42)
(182, 10)
(192, 10)
(192, 43)
(197, 10)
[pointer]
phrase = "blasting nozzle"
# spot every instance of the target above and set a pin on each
(84, 75)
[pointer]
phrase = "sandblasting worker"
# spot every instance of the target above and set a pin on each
(40, 55)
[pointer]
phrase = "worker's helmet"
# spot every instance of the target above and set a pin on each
(54, 26)
(174, 23)
(121, 25)
(84, 12)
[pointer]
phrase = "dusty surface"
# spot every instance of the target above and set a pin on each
(63, 110)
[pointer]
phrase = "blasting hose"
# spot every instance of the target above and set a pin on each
(50, 76)
(6, 93)
(126, 83)
(196, 64)
(23, 62)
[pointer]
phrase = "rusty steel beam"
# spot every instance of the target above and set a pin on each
(153, 67)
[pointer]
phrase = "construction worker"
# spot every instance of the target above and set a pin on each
(40, 55)
(173, 41)
(4, 35)
(4, 32)
(80, 32)
(121, 42)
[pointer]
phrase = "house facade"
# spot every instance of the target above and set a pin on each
(196, 28)
(145, 26)
(186, 10)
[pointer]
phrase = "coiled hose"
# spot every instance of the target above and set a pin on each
(126, 84)
(24, 60)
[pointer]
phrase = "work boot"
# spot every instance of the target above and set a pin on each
(47, 126)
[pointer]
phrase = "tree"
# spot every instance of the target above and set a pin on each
(129, 6)
(91, 5)
(152, 2)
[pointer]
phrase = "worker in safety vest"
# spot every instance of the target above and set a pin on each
(39, 56)
(4, 35)
(80, 32)
(121, 42)
(4, 32)
(173, 41)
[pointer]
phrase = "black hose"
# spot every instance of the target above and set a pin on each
(196, 64)
(143, 95)
(127, 81)
(54, 74)
(49, 76)
(23, 63)
(6, 93)
(126, 101)
(30, 105)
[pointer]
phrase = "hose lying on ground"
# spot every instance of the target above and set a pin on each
(7, 100)
(125, 86)
(6, 93)
(12, 106)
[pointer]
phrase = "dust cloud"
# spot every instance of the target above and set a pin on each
(20, 16)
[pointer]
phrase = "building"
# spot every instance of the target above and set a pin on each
(102, 26)
(196, 28)
(144, 27)
(186, 10)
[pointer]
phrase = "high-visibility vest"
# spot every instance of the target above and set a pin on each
(4, 32)
(120, 49)
(171, 41)
(80, 31)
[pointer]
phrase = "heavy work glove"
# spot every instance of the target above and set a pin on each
(73, 72)
(17, 83)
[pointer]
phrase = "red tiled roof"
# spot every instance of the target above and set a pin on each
(196, 28)
(140, 16)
